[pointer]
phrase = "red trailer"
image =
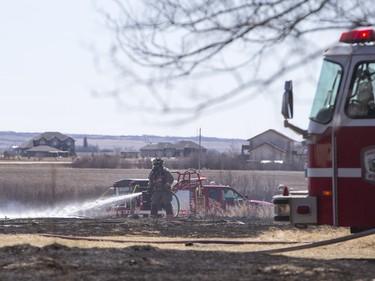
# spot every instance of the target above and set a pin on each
(340, 140)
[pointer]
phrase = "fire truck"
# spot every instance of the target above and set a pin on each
(196, 196)
(191, 196)
(340, 140)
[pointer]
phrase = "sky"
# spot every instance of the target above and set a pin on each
(48, 75)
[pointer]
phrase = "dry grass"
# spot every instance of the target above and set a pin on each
(359, 248)
(242, 210)
(50, 185)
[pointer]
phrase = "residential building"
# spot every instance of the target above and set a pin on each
(272, 146)
(49, 144)
(129, 154)
(167, 149)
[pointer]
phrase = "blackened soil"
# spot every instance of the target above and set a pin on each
(148, 262)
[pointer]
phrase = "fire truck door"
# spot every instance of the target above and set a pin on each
(355, 150)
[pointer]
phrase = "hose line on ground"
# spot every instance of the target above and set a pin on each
(192, 242)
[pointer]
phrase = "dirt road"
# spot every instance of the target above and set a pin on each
(142, 250)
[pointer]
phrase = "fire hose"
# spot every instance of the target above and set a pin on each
(187, 242)
(192, 242)
(321, 243)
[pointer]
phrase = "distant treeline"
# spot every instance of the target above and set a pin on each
(212, 160)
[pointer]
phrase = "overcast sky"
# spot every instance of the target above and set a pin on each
(48, 74)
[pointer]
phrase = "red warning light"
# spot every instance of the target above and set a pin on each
(358, 36)
(286, 191)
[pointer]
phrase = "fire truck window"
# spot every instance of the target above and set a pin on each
(214, 195)
(326, 92)
(231, 195)
(360, 101)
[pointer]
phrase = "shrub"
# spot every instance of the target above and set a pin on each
(99, 162)
(243, 210)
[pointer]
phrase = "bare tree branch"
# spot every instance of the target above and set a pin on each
(164, 48)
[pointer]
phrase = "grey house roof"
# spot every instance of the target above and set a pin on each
(27, 145)
(269, 144)
(188, 144)
(167, 145)
(274, 132)
(157, 146)
(50, 135)
(44, 148)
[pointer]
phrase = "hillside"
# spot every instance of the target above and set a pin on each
(124, 143)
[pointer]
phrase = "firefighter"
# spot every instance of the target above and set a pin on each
(160, 181)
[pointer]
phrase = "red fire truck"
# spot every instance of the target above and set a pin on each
(340, 140)
(196, 196)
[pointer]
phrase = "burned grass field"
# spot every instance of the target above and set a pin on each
(137, 249)
(38, 248)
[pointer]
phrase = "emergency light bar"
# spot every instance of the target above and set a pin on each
(358, 36)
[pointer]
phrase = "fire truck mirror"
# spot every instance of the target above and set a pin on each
(287, 103)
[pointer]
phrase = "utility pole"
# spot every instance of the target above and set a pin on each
(200, 152)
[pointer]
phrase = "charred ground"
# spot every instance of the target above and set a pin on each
(56, 261)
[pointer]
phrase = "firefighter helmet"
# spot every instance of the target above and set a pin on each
(157, 161)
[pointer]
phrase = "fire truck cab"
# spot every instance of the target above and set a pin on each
(340, 140)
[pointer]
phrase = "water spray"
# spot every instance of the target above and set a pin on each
(94, 208)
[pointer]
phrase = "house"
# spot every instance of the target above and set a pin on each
(187, 148)
(49, 144)
(272, 146)
(167, 149)
(129, 154)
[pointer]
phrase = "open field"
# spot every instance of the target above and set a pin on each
(34, 248)
(49, 185)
